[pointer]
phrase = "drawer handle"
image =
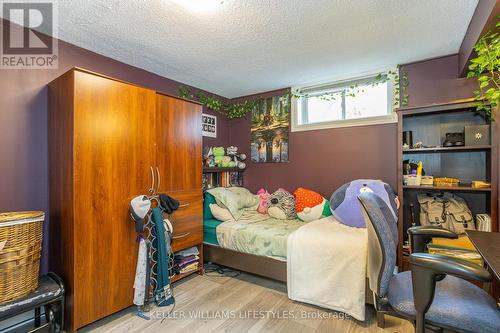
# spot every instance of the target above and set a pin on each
(184, 205)
(181, 236)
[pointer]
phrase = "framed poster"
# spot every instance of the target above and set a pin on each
(209, 125)
(270, 123)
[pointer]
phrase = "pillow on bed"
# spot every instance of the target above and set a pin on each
(281, 205)
(207, 213)
(263, 195)
(345, 206)
(236, 199)
(221, 214)
(310, 205)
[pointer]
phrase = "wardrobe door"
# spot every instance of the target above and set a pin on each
(179, 158)
(113, 151)
(179, 144)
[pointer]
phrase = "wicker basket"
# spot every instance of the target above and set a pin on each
(20, 248)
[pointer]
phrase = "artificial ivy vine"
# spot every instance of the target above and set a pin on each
(239, 110)
(230, 110)
(485, 67)
(400, 84)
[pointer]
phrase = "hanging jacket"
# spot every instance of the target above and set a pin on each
(163, 293)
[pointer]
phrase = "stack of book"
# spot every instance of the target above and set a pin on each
(461, 248)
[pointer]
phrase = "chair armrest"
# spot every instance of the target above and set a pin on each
(421, 235)
(427, 269)
(440, 264)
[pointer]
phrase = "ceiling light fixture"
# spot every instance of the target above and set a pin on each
(200, 5)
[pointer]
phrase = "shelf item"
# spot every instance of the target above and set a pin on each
(480, 184)
(447, 149)
(446, 188)
(446, 182)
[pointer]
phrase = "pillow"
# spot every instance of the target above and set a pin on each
(236, 199)
(263, 195)
(310, 205)
(221, 214)
(346, 208)
(281, 205)
(207, 213)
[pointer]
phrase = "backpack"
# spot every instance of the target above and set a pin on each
(446, 211)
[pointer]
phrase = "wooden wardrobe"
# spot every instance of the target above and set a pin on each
(107, 140)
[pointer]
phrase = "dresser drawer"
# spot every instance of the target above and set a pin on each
(187, 239)
(187, 221)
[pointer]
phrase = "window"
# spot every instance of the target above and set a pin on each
(353, 103)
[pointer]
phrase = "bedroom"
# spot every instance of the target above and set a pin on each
(249, 165)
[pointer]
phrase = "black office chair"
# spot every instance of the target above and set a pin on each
(434, 293)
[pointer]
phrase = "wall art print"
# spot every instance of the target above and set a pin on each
(270, 127)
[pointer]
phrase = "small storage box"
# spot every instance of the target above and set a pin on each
(477, 135)
(20, 250)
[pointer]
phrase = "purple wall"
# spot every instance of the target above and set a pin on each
(23, 124)
(325, 159)
(436, 81)
(484, 19)
(322, 160)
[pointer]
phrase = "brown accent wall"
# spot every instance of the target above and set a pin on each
(325, 159)
(23, 124)
(436, 81)
(484, 19)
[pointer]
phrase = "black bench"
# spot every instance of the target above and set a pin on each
(50, 295)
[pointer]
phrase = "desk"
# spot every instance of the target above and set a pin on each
(488, 246)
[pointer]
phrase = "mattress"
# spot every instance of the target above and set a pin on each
(209, 231)
(257, 234)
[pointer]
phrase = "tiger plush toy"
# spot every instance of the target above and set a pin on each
(281, 205)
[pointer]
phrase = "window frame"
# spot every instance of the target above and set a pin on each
(390, 117)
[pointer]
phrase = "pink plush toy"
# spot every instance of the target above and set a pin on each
(263, 195)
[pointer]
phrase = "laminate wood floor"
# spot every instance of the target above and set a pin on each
(247, 303)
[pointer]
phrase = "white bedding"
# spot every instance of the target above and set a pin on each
(326, 266)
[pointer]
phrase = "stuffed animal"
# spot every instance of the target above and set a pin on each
(225, 161)
(218, 155)
(310, 205)
(345, 205)
(281, 205)
(232, 150)
(263, 195)
(237, 158)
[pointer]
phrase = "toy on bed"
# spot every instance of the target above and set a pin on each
(310, 205)
(345, 206)
(263, 196)
(281, 205)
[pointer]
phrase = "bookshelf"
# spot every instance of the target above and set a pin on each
(429, 124)
(222, 177)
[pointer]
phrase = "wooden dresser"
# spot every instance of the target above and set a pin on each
(105, 137)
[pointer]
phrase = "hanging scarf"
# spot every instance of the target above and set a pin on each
(163, 293)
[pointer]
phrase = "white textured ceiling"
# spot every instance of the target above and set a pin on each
(249, 46)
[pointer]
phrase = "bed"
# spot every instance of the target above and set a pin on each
(268, 261)
(271, 266)
(322, 261)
